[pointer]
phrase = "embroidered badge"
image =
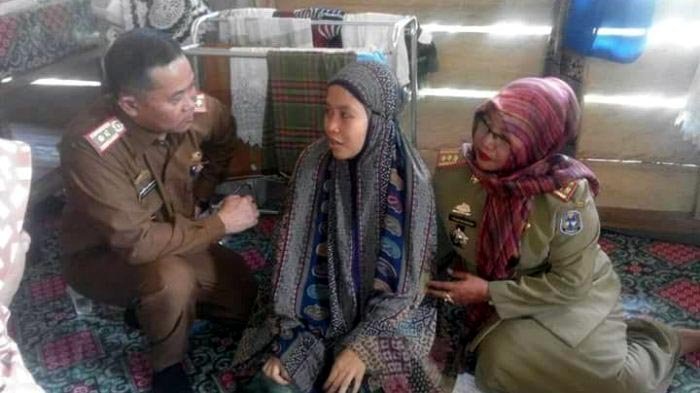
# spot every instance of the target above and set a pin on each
(571, 223)
(105, 134)
(200, 104)
(463, 208)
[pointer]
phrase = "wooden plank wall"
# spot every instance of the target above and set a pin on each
(609, 132)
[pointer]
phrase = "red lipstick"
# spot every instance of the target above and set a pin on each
(482, 156)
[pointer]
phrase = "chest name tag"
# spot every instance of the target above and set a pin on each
(462, 219)
(571, 223)
(461, 213)
(147, 189)
(145, 183)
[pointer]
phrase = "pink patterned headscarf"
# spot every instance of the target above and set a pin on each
(537, 117)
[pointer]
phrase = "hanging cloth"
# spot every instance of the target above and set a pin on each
(297, 86)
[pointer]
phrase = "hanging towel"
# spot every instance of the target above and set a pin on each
(256, 27)
(248, 92)
(250, 27)
(324, 36)
(383, 38)
(298, 83)
(232, 21)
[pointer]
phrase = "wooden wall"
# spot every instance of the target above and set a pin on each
(609, 132)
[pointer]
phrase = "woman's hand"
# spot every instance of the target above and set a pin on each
(465, 289)
(274, 369)
(347, 370)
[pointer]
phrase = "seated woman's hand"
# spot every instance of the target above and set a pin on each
(274, 369)
(465, 289)
(348, 369)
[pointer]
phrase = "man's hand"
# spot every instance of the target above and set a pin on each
(467, 288)
(347, 370)
(238, 213)
(274, 370)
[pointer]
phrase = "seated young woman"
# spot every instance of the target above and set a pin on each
(354, 253)
(542, 299)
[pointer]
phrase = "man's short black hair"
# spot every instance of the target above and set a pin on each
(130, 58)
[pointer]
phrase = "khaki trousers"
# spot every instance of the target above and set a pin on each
(166, 292)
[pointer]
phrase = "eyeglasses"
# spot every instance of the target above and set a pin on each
(498, 139)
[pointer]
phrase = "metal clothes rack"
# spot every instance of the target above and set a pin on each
(411, 22)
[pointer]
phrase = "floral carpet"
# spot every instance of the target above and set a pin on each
(97, 353)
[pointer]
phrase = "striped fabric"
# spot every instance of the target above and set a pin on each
(297, 93)
(325, 36)
(537, 116)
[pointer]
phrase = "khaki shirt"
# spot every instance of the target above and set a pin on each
(563, 279)
(133, 194)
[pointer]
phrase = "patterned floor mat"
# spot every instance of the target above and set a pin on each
(96, 353)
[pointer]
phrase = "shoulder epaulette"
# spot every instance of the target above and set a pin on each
(567, 192)
(200, 103)
(451, 158)
(105, 134)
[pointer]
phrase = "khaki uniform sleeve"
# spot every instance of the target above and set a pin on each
(104, 193)
(569, 275)
(217, 147)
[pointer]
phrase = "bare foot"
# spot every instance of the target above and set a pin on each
(690, 340)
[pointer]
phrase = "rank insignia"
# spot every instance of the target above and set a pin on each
(565, 193)
(571, 223)
(105, 134)
(450, 158)
(459, 238)
(200, 103)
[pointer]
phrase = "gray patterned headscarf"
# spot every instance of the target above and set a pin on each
(390, 327)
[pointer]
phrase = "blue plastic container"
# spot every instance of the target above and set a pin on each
(614, 30)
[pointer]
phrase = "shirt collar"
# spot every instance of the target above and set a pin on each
(137, 137)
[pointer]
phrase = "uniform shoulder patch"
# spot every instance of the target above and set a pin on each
(571, 223)
(102, 137)
(567, 192)
(451, 158)
(200, 103)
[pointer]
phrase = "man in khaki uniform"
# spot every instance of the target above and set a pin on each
(137, 167)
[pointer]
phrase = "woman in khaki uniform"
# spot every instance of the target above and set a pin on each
(543, 301)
